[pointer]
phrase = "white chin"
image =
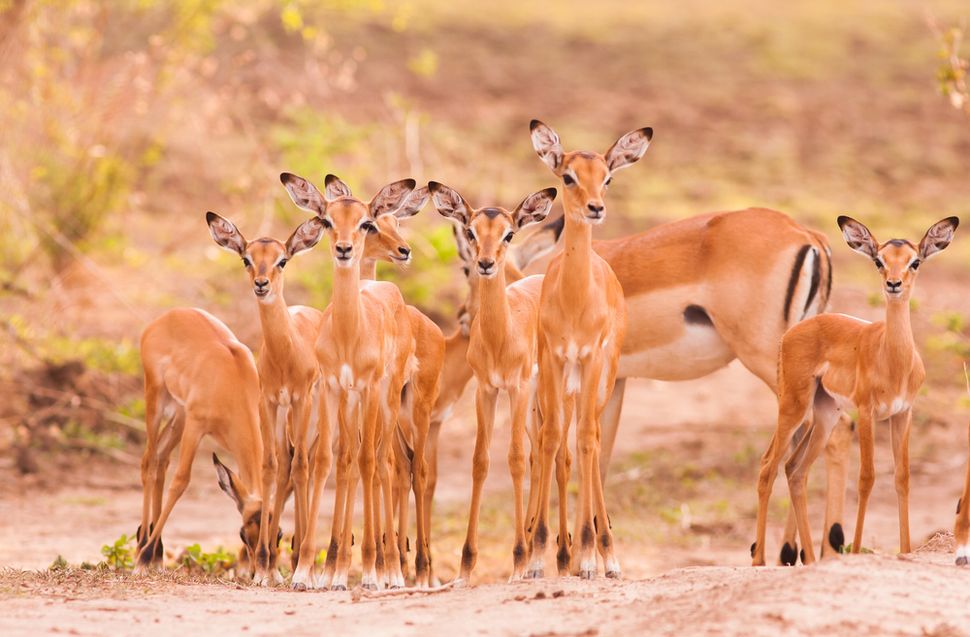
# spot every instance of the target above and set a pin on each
(594, 222)
(341, 263)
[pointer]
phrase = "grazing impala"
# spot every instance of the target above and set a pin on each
(833, 361)
(582, 321)
(366, 351)
(502, 349)
(287, 372)
(200, 381)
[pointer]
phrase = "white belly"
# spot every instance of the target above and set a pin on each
(698, 352)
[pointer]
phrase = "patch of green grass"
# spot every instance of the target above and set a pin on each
(214, 563)
(120, 555)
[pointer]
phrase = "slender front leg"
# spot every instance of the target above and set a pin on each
(300, 414)
(900, 438)
(867, 471)
(797, 469)
(961, 528)
(836, 469)
(485, 408)
(550, 400)
(419, 471)
(322, 461)
(587, 448)
(519, 400)
(367, 460)
(564, 464)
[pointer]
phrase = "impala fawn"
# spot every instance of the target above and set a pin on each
(502, 349)
(366, 353)
(832, 362)
(582, 322)
(200, 381)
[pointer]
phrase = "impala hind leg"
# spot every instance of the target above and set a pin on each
(419, 471)
(167, 442)
(149, 459)
(610, 424)
(403, 463)
(836, 469)
(485, 408)
(900, 424)
(519, 401)
(431, 458)
(367, 462)
(867, 472)
(194, 431)
(793, 404)
(961, 527)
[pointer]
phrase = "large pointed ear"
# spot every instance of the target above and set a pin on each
(535, 207)
(225, 234)
(449, 203)
(414, 203)
(938, 237)
(229, 483)
(306, 236)
(465, 252)
(537, 244)
(628, 149)
(304, 194)
(545, 141)
(335, 188)
(391, 197)
(858, 237)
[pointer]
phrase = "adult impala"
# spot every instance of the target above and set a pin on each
(365, 348)
(502, 349)
(200, 381)
(831, 362)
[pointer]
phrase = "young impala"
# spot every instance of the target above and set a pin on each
(831, 362)
(961, 529)
(582, 321)
(287, 374)
(200, 381)
(502, 349)
(366, 353)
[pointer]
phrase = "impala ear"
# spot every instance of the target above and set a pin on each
(307, 235)
(335, 188)
(858, 237)
(225, 234)
(414, 203)
(229, 483)
(628, 149)
(391, 197)
(938, 237)
(304, 194)
(537, 244)
(546, 143)
(449, 203)
(535, 207)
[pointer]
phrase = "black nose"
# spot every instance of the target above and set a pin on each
(894, 285)
(595, 208)
(343, 249)
(485, 265)
(405, 252)
(261, 283)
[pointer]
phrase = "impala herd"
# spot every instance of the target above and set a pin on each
(364, 385)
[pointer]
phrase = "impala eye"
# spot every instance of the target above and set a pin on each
(326, 223)
(281, 264)
(914, 265)
(509, 236)
(247, 263)
(367, 226)
(879, 263)
(470, 235)
(608, 181)
(568, 180)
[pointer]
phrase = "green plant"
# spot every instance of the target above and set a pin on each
(59, 564)
(213, 563)
(119, 556)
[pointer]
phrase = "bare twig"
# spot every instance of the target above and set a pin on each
(358, 593)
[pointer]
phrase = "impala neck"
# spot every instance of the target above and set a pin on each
(899, 344)
(494, 315)
(346, 302)
(277, 328)
(575, 273)
(368, 269)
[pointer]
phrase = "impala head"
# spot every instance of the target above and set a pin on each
(586, 175)
(388, 244)
(249, 507)
(898, 260)
(348, 220)
(489, 231)
(264, 258)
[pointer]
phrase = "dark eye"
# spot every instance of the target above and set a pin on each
(367, 226)
(509, 236)
(326, 223)
(281, 264)
(879, 263)
(470, 235)
(568, 180)
(247, 263)
(608, 182)
(914, 265)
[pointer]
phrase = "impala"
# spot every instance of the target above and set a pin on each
(200, 381)
(832, 362)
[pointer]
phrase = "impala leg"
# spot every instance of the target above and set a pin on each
(163, 452)
(403, 467)
(419, 469)
(836, 468)
(350, 433)
(535, 445)
(281, 487)
(485, 407)
(900, 425)
(867, 472)
(604, 527)
(961, 528)
(190, 442)
(789, 538)
(793, 403)
(268, 525)
(367, 461)
(322, 462)
(587, 447)
(431, 457)
(564, 464)
(391, 555)
(341, 442)
(519, 401)
(300, 475)
(610, 422)
(149, 460)
(550, 399)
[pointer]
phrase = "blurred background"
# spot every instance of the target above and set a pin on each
(122, 122)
